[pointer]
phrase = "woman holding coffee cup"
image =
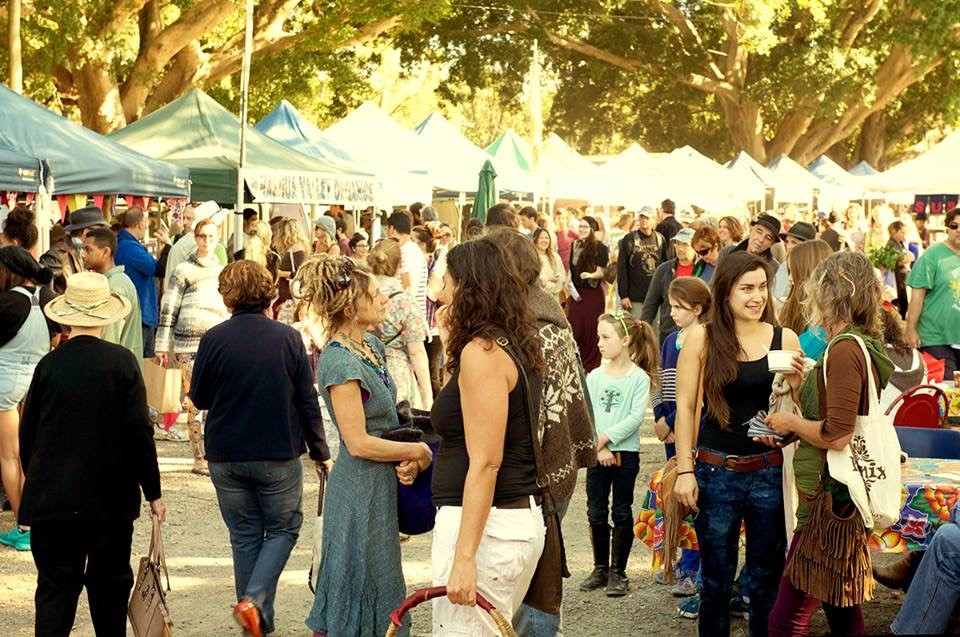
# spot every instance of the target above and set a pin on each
(844, 297)
(735, 479)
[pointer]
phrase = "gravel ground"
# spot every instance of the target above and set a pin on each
(198, 555)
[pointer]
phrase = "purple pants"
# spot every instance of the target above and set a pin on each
(793, 610)
(584, 316)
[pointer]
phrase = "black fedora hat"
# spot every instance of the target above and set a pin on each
(85, 218)
(801, 230)
(770, 223)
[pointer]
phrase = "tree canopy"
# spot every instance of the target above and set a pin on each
(116, 60)
(857, 79)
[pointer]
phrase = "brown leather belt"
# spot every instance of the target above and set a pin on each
(520, 503)
(741, 464)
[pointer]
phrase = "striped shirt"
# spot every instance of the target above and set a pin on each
(414, 262)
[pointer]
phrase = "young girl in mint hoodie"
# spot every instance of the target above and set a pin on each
(620, 390)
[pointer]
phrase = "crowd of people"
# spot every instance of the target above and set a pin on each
(537, 343)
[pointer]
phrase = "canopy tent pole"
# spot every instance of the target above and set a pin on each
(244, 91)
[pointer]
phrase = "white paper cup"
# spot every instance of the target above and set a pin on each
(780, 360)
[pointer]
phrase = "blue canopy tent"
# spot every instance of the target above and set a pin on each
(79, 160)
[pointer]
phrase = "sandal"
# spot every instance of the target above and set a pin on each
(201, 470)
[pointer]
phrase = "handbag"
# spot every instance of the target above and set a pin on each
(148, 612)
(674, 511)
(870, 465)
(416, 514)
(163, 386)
(546, 588)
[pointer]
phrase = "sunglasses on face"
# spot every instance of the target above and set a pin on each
(954, 226)
(703, 252)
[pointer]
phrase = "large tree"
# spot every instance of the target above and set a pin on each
(853, 78)
(116, 60)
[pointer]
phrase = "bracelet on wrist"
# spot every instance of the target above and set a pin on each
(680, 473)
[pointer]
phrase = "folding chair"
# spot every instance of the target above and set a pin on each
(921, 406)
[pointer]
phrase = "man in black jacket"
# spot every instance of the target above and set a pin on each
(640, 252)
(87, 450)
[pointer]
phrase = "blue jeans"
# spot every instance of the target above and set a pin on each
(726, 499)
(533, 622)
(601, 481)
(933, 594)
(261, 502)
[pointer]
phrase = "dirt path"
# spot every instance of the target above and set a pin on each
(198, 553)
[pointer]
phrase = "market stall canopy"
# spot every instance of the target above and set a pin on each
(197, 132)
(78, 159)
(853, 186)
(19, 172)
(513, 160)
(796, 183)
(395, 153)
(712, 184)
(570, 175)
(631, 178)
(288, 126)
(453, 160)
(864, 169)
(933, 172)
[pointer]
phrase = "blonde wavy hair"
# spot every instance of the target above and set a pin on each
(258, 243)
(288, 233)
(843, 288)
(327, 285)
(801, 261)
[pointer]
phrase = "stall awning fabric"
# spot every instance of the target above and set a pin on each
(19, 172)
(80, 160)
(197, 132)
(933, 172)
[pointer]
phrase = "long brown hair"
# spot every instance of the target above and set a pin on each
(801, 261)
(643, 347)
(691, 292)
(588, 255)
(723, 346)
(490, 300)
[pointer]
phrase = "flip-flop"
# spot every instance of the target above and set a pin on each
(200, 472)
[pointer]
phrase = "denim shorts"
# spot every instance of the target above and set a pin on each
(14, 383)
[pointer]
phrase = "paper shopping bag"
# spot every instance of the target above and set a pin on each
(163, 386)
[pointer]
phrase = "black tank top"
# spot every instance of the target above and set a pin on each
(518, 472)
(747, 395)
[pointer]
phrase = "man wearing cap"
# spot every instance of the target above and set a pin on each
(640, 253)
(87, 450)
(657, 300)
(797, 234)
(99, 248)
(764, 232)
(68, 251)
(140, 266)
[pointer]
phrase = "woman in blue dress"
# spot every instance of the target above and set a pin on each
(361, 579)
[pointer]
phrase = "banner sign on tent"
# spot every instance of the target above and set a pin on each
(935, 204)
(310, 188)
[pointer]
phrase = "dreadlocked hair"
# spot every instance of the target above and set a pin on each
(328, 285)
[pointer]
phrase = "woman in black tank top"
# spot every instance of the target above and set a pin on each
(489, 529)
(737, 478)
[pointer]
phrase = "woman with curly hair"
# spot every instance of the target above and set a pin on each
(485, 479)
(730, 230)
(361, 576)
(828, 563)
(19, 229)
(588, 258)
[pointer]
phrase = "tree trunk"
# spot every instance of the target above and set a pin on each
(745, 123)
(16, 56)
(99, 98)
(872, 142)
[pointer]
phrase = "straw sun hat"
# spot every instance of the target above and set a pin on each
(88, 302)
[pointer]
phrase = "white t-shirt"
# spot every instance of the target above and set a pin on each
(414, 262)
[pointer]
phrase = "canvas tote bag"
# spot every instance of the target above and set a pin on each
(870, 465)
(148, 612)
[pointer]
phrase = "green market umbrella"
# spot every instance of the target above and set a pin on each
(486, 192)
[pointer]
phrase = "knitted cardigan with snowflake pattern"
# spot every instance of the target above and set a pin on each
(567, 433)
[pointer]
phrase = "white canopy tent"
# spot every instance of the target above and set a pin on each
(513, 161)
(395, 153)
(933, 172)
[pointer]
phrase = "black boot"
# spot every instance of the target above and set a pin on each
(618, 584)
(600, 539)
